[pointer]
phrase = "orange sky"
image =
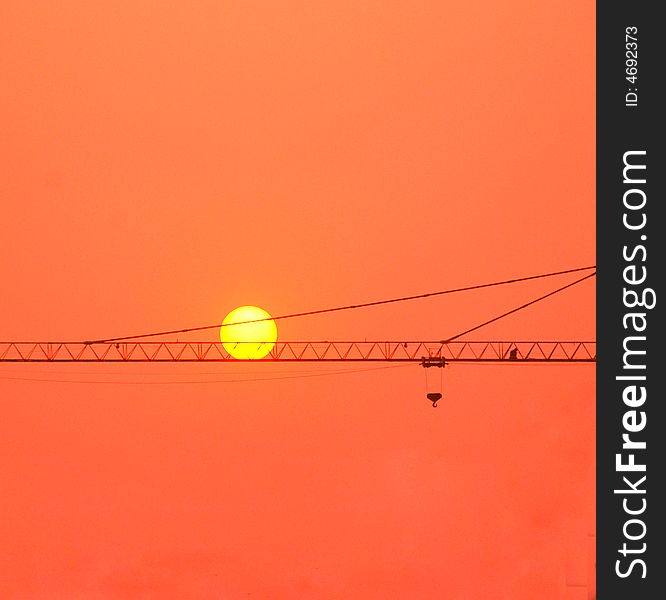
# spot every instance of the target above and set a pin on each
(163, 163)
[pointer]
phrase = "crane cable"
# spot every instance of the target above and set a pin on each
(521, 307)
(348, 307)
(198, 381)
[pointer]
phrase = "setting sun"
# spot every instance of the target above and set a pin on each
(248, 340)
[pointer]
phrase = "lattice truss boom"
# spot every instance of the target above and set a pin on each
(338, 351)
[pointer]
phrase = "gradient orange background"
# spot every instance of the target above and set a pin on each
(163, 163)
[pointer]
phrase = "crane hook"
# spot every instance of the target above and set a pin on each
(433, 360)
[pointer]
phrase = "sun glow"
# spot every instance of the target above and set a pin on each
(248, 340)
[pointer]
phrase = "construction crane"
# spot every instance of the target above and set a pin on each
(134, 348)
(427, 354)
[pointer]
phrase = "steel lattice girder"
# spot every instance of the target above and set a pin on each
(535, 352)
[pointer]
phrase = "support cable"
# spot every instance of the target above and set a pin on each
(348, 307)
(521, 307)
(199, 381)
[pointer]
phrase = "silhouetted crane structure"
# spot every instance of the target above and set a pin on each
(429, 354)
(134, 348)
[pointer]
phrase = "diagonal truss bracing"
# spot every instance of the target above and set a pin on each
(338, 351)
